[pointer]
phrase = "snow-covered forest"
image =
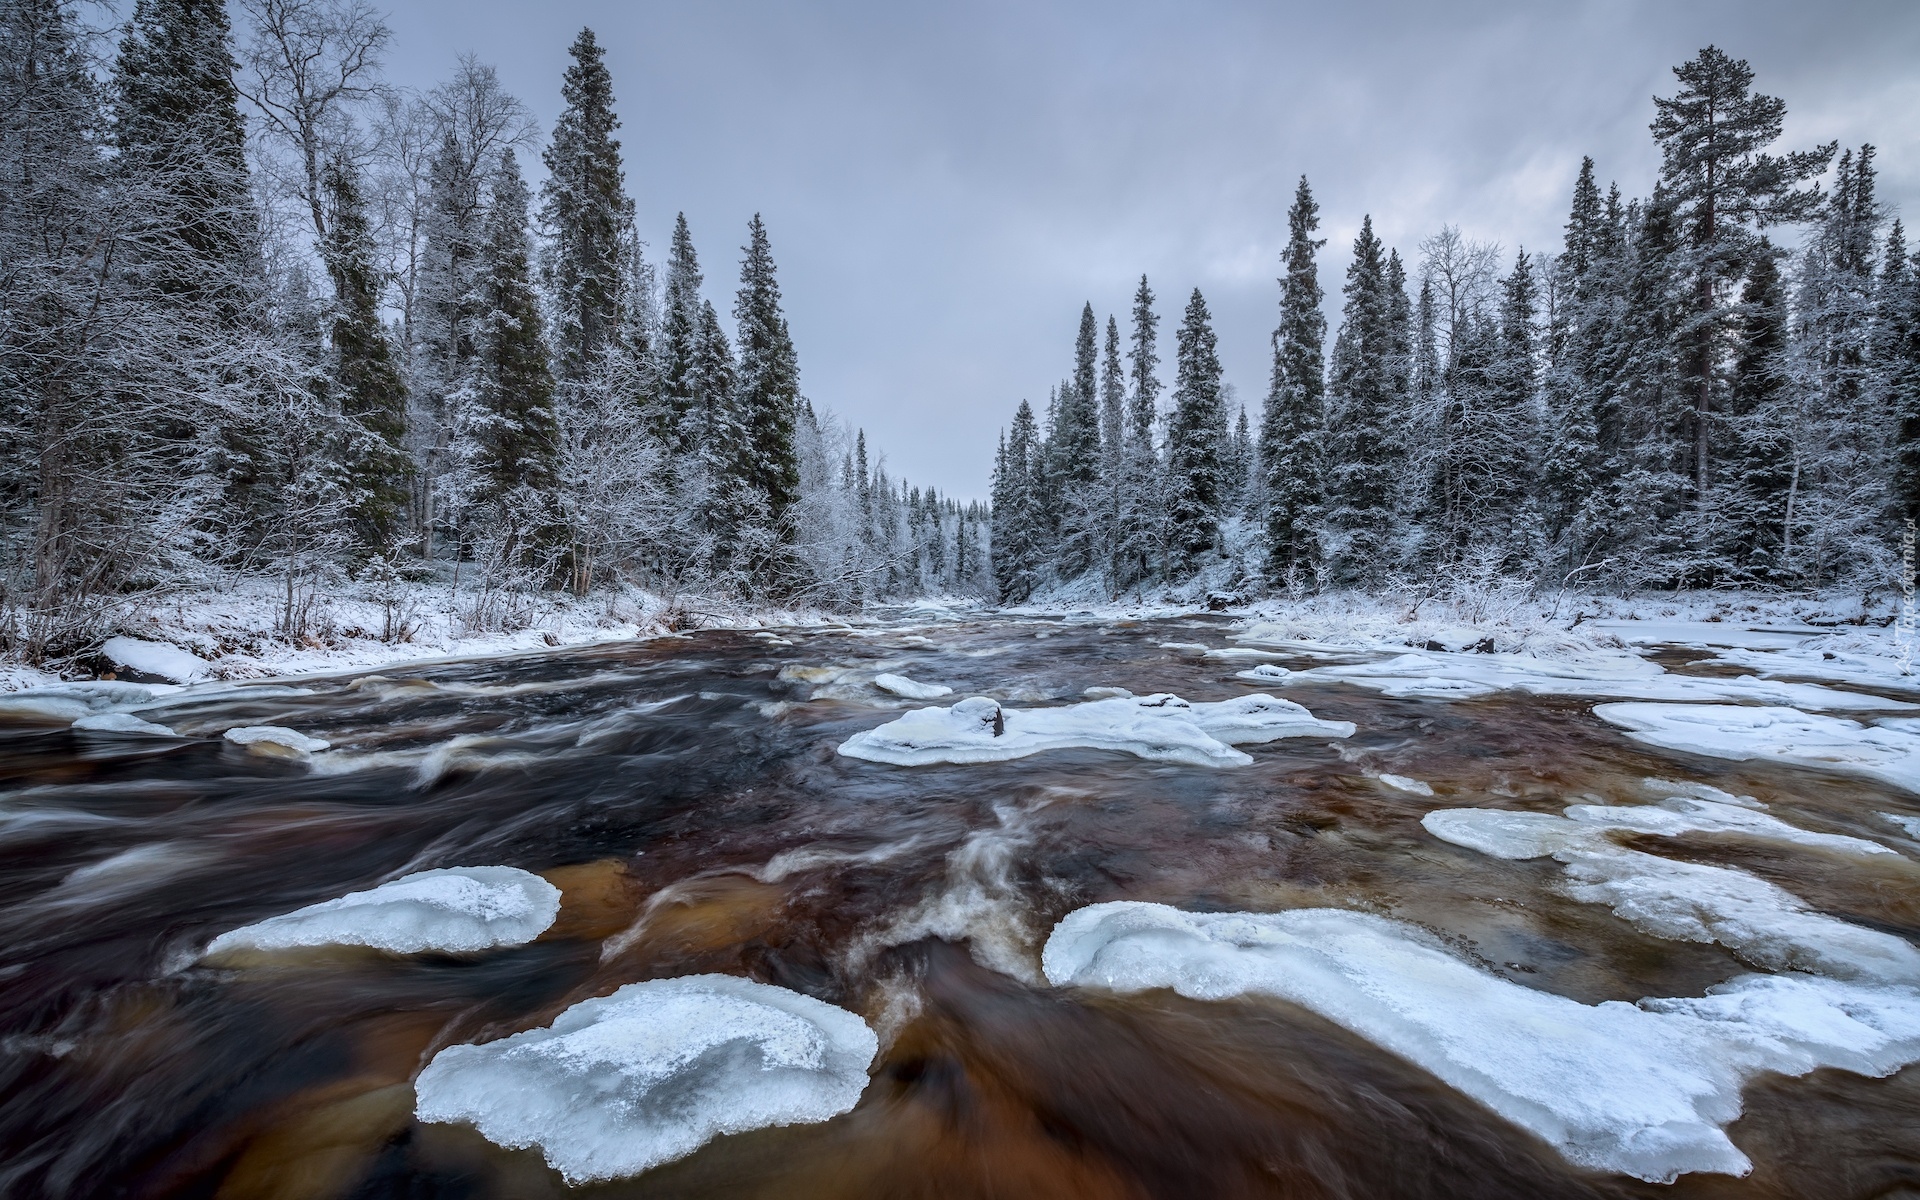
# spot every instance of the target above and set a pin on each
(1715, 385)
(266, 317)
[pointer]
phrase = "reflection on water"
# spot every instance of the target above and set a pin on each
(685, 797)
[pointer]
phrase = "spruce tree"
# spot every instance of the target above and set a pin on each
(1074, 450)
(516, 433)
(1897, 352)
(1113, 451)
(1361, 470)
(1572, 468)
(678, 352)
(1196, 436)
(585, 211)
(768, 381)
(1016, 550)
(366, 379)
(719, 437)
(1722, 188)
(182, 143)
(1511, 433)
(1142, 521)
(1760, 464)
(1293, 420)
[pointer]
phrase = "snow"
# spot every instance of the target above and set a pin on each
(1644, 1090)
(1772, 734)
(1160, 728)
(156, 658)
(625, 1082)
(1765, 925)
(900, 685)
(121, 723)
(1907, 825)
(71, 701)
(1443, 676)
(274, 740)
(449, 909)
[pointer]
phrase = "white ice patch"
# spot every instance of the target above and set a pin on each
(1401, 783)
(1779, 735)
(1264, 673)
(1107, 693)
(1160, 728)
(1444, 676)
(1907, 825)
(121, 723)
(156, 658)
(900, 685)
(71, 701)
(1640, 1089)
(274, 740)
(649, 1074)
(1682, 814)
(450, 909)
(1765, 925)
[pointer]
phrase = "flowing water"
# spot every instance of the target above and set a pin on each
(685, 795)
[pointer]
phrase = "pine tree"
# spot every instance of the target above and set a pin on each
(516, 432)
(679, 347)
(182, 142)
(1074, 454)
(1761, 463)
(769, 381)
(1113, 454)
(719, 438)
(1142, 520)
(1510, 430)
(1361, 471)
(585, 210)
(365, 377)
(1293, 421)
(1722, 188)
(1897, 351)
(1572, 470)
(1016, 549)
(1196, 433)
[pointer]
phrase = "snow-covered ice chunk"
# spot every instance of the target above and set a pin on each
(1161, 728)
(1194, 648)
(1107, 693)
(1699, 791)
(71, 701)
(651, 1073)
(121, 723)
(1445, 676)
(1644, 1090)
(1682, 814)
(451, 909)
(1402, 783)
(900, 685)
(274, 740)
(1694, 902)
(1781, 735)
(1264, 673)
(156, 658)
(1907, 825)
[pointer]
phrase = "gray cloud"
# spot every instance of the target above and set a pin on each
(945, 184)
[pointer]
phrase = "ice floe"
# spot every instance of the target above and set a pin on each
(156, 658)
(449, 909)
(1640, 1089)
(900, 685)
(1765, 925)
(1161, 728)
(71, 701)
(118, 722)
(1402, 783)
(1445, 676)
(1772, 734)
(276, 741)
(652, 1072)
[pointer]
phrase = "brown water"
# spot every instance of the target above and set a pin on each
(655, 783)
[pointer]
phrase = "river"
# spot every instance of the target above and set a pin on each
(686, 796)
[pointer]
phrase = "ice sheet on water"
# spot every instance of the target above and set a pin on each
(900, 685)
(651, 1073)
(1683, 814)
(1765, 925)
(126, 723)
(450, 909)
(1640, 1089)
(1402, 783)
(1448, 676)
(1161, 728)
(156, 658)
(273, 739)
(1907, 825)
(1771, 734)
(71, 701)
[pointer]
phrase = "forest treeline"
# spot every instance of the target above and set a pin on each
(1715, 385)
(263, 313)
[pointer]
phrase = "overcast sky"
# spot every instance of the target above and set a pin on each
(946, 184)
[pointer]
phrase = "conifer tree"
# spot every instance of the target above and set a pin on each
(182, 143)
(1511, 432)
(585, 211)
(1142, 519)
(1722, 188)
(769, 380)
(1113, 451)
(1897, 350)
(1016, 549)
(1760, 464)
(1360, 465)
(679, 348)
(1074, 453)
(1196, 436)
(516, 433)
(366, 379)
(1572, 468)
(1293, 421)
(718, 437)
